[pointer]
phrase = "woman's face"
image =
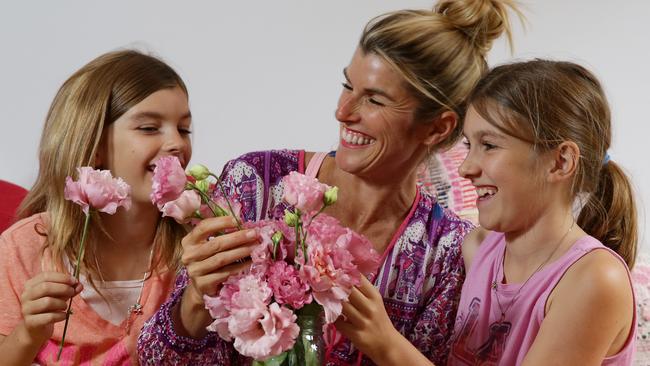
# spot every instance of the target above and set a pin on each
(379, 136)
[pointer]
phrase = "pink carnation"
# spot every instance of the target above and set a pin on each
(365, 256)
(182, 208)
(262, 254)
(331, 274)
(168, 180)
(274, 332)
(99, 190)
(288, 288)
(303, 192)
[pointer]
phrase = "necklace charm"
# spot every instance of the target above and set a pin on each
(494, 285)
(136, 308)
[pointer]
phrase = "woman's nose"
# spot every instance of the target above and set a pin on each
(347, 110)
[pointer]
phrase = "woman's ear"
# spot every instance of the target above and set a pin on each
(564, 163)
(441, 128)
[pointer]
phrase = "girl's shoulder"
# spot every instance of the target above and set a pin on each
(471, 244)
(22, 244)
(33, 228)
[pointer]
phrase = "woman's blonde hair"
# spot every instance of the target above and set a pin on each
(548, 102)
(440, 52)
(90, 100)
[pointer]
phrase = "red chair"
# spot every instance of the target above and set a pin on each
(11, 196)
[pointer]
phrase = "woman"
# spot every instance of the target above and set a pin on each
(402, 97)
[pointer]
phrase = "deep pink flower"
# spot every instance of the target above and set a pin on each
(365, 256)
(168, 180)
(99, 190)
(288, 288)
(303, 192)
(182, 208)
(274, 332)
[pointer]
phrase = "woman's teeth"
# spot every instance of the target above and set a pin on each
(355, 138)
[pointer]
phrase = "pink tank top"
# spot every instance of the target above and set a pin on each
(479, 337)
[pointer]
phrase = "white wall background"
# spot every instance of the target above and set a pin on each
(266, 74)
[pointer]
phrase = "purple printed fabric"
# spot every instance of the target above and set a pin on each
(420, 279)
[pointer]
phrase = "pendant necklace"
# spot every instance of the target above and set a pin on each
(516, 296)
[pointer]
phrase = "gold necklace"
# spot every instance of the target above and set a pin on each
(516, 296)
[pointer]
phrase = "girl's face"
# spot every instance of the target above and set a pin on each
(160, 125)
(378, 133)
(502, 168)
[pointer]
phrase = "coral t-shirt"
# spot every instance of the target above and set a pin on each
(90, 339)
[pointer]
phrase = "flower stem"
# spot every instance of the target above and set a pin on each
(80, 255)
(223, 192)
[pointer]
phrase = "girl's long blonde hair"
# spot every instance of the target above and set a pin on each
(90, 100)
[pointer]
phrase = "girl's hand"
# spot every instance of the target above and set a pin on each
(210, 260)
(44, 302)
(366, 323)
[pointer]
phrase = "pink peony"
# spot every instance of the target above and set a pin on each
(275, 331)
(182, 209)
(303, 192)
(168, 180)
(99, 190)
(288, 288)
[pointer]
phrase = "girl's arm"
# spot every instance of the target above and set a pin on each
(471, 242)
(589, 314)
(43, 303)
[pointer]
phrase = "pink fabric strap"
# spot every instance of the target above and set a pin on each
(314, 164)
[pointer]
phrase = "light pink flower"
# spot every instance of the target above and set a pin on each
(182, 208)
(99, 190)
(275, 331)
(329, 231)
(262, 254)
(168, 180)
(331, 274)
(288, 288)
(303, 192)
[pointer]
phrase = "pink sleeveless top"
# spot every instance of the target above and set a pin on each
(479, 337)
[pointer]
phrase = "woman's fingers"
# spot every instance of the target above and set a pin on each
(222, 243)
(209, 284)
(207, 228)
(216, 262)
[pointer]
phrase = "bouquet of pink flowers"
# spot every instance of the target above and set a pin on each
(307, 263)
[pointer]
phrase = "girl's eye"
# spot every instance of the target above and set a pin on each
(347, 86)
(489, 146)
(185, 131)
(148, 129)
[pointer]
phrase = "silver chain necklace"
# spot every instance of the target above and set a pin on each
(516, 296)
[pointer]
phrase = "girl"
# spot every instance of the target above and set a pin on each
(122, 111)
(542, 287)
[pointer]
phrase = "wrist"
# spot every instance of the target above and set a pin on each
(190, 315)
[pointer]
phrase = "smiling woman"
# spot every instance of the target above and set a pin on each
(402, 96)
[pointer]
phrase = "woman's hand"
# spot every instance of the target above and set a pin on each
(210, 260)
(366, 323)
(44, 302)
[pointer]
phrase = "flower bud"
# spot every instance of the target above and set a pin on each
(199, 172)
(276, 238)
(202, 185)
(291, 218)
(330, 196)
